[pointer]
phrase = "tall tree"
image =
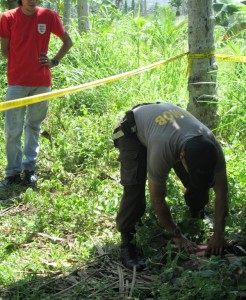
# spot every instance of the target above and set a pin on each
(133, 7)
(203, 69)
(67, 13)
(11, 4)
(144, 7)
(83, 15)
(184, 9)
(177, 4)
(125, 7)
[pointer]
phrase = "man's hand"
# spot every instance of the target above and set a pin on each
(215, 245)
(183, 243)
(45, 61)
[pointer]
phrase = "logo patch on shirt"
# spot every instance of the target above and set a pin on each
(41, 28)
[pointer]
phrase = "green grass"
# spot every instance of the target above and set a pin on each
(59, 241)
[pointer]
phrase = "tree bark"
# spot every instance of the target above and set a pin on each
(202, 68)
(145, 7)
(67, 13)
(83, 15)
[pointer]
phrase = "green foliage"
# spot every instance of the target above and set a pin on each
(58, 225)
(233, 100)
(225, 9)
(229, 6)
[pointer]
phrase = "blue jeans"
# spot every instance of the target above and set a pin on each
(28, 118)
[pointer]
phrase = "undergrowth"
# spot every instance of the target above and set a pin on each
(60, 226)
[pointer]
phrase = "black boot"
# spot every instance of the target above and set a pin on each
(10, 180)
(130, 255)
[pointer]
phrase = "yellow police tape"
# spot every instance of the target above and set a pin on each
(231, 58)
(47, 96)
(201, 55)
(209, 54)
(192, 56)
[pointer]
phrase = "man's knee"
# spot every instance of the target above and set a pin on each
(132, 207)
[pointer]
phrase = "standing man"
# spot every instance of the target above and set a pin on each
(25, 34)
(153, 139)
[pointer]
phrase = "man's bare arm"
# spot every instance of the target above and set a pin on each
(161, 208)
(216, 242)
(66, 45)
(157, 196)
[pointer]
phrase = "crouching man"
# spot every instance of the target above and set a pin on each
(152, 139)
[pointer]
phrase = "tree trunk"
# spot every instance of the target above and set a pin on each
(184, 8)
(83, 15)
(67, 13)
(133, 7)
(203, 69)
(145, 7)
(11, 4)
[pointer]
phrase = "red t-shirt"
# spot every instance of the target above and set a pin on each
(29, 37)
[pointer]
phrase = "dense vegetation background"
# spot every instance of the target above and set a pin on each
(59, 241)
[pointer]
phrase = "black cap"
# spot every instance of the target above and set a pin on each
(201, 157)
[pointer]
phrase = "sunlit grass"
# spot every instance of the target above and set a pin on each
(57, 226)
